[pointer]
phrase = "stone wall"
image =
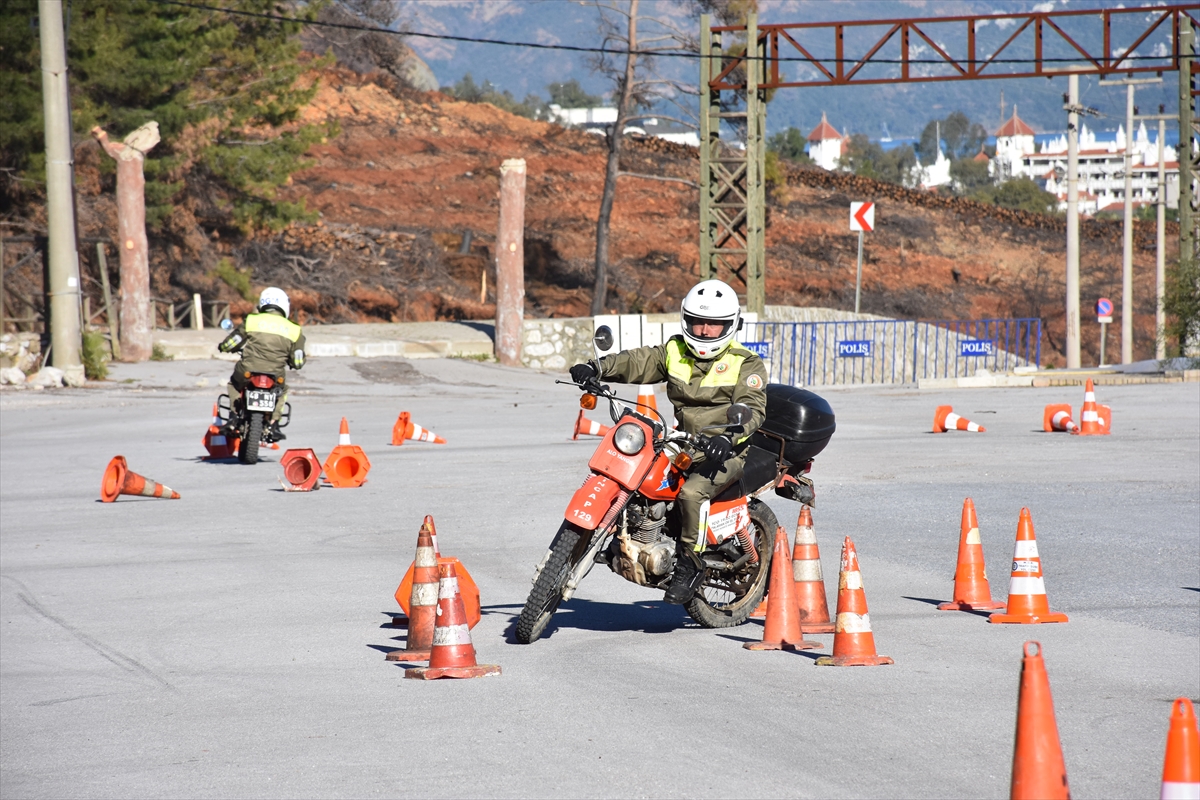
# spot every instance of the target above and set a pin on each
(556, 344)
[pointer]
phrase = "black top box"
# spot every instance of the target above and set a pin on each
(802, 419)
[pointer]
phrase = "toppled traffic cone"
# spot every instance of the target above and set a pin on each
(1181, 766)
(452, 654)
(1039, 772)
(971, 589)
(216, 443)
(119, 480)
(587, 427)
(422, 602)
(301, 470)
(782, 629)
(853, 642)
(1027, 603)
(944, 419)
(646, 402)
(347, 466)
(1090, 421)
(405, 428)
(808, 581)
(1057, 417)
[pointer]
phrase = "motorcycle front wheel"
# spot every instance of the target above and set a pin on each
(248, 449)
(548, 587)
(728, 599)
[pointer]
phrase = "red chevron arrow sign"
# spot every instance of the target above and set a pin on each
(862, 217)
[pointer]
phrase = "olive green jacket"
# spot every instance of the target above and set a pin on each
(268, 342)
(700, 390)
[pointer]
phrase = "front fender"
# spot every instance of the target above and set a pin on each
(592, 501)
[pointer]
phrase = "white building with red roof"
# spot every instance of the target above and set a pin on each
(825, 145)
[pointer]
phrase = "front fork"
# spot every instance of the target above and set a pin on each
(588, 560)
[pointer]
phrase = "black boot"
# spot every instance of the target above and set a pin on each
(274, 434)
(689, 574)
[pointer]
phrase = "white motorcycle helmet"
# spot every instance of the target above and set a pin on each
(710, 302)
(274, 296)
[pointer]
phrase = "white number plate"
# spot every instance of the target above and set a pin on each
(259, 400)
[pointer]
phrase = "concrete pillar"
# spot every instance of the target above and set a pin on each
(1073, 336)
(510, 262)
(137, 314)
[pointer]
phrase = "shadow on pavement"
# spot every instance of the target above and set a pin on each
(933, 602)
(591, 615)
(810, 654)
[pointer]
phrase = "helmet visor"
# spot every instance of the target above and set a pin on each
(705, 329)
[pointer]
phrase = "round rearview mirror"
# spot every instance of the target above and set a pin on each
(603, 338)
(738, 414)
(227, 324)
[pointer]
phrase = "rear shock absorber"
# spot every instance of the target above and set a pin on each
(747, 543)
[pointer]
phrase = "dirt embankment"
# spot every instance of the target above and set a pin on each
(412, 175)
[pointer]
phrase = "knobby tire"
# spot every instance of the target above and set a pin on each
(547, 589)
(248, 449)
(764, 523)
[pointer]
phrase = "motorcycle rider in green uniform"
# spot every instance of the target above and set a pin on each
(706, 371)
(268, 342)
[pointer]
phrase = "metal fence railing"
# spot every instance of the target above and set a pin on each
(892, 351)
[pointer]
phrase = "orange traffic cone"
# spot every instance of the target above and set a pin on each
(646, 402)
(216, 443)
(853, 642)
(809, 583)
(1039, 772)
(422, 603)
(1181, 767)
(1090, 421)
(944, 419)
(971, 589)
(405, 428)
(301, 469)
(452, 654)
(1057, 417)
(587, 427)
(1027, 603)
(467, 587)
(782, 629)
(347, 466)
(119, 480)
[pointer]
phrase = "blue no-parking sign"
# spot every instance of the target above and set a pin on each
(1104, 310)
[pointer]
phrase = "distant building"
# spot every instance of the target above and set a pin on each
(937, 174)
(825, 145)
(600, 120)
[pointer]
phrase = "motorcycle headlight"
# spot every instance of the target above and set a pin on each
(629, 438)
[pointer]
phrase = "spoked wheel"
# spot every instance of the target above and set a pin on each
(727, 599)
(548, 588)
(248, 449)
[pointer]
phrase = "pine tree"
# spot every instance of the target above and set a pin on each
(222, 87)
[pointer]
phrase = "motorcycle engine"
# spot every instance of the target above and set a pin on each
(642, 552)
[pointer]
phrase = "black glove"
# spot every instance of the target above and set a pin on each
(717, 449)
(582, 373)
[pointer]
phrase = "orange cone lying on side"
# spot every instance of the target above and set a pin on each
(944, 419)
(406, 429)
(808, 580)
(782, 629)
(1181, 766)
(1027, 603)
(1057, 417)
(971, 589)
(119, 480)
(301, 469)
(422, 603)
(1039, 772)
(452, 654)
(853, 642)
(587, 427)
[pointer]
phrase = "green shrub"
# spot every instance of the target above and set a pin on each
(96, 355)
(157, 353)
(236, 279)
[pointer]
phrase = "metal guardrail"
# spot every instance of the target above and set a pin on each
(892, 351)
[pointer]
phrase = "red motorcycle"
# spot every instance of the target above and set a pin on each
(622, 516)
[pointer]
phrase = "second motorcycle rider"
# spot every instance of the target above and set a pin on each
(706, 371)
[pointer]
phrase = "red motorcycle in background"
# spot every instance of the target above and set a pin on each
(622, 516)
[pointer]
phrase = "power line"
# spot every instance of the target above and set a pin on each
(607, 51)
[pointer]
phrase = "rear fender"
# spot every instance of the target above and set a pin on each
(592, 501)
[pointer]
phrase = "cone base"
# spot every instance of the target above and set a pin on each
(433, 673)
(1027, 619)
(853, 661)
(803, 644)
(408, 655)
(818, 627)
(958, 605)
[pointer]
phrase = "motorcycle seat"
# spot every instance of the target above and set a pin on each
(759, 471)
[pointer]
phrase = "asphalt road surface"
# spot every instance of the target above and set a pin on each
(231, 643)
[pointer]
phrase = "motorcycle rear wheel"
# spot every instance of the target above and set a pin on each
(548, 588)
(726, 602)
(248, 449)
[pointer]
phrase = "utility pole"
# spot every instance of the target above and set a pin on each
(1187, 221)
(65, 336)
(1127, 239)
(1160, 256)
(1073, 355)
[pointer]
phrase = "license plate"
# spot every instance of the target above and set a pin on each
(260, 400)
